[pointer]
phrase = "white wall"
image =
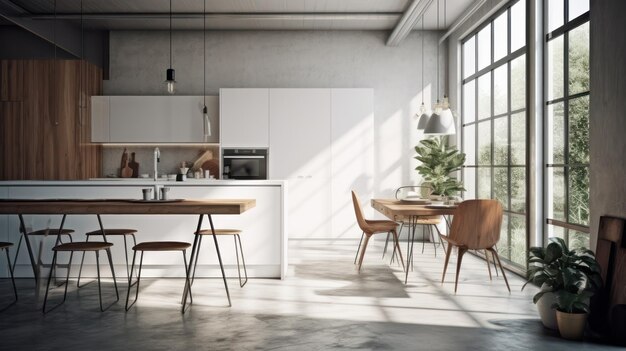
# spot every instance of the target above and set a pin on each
(302, 59)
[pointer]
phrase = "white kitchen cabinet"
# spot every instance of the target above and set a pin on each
(244, 118)
(153, 119)
(352, 156)
(300, 140)
(100, 119)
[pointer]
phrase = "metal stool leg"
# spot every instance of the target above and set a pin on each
(45, 299)
(80, 270)
(187, 283)
(131, 284)
(243, 260)
(12, 277)
(432, 237)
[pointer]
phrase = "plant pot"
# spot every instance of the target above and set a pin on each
(571, 325)
(546, 312)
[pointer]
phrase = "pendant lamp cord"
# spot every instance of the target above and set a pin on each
(204, 54)
(80, 68)
(54, 62)
(422, 59)
(438, 51)
(170, 34)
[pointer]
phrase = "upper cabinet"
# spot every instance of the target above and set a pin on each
(244, 117)
(153, 119)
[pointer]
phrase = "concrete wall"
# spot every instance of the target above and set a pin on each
(607, 111)
(303, 59)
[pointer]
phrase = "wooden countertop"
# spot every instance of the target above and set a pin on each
(121, 206)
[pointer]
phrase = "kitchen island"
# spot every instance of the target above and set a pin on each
(263, 236)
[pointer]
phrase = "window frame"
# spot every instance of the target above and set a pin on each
(562, 31)
(505, 61)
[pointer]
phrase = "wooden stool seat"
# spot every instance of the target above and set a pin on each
(113, 232)
(83, 246)
(220, 232)
(51, 232)
(4, 245)
(162, 246)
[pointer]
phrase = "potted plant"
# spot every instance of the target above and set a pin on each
(573, 276)
(438, 161)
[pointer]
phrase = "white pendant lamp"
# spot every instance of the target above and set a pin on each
(170, 74)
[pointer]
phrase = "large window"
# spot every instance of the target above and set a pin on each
(566, 126)
(494, 122)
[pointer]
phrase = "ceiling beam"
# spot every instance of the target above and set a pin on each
(299, 16)
(408, 21)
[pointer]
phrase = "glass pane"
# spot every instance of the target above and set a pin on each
(518, 25)
(501, 186)
(501, 141)
(518, 83)
(577, 8)
(556, 136)
(484, 96)
(503, 244)
(579, 130)
(578, 240)
(484, 183)
(484, 47)
(518, 139)
(484, 143)
(500, 90)
(555, 68)
(518, 189)
(500, 36)
(469, 182)
(469, 102)
(469, 57)
(579, 59)
(555, 231)
(556, 193)
(469, 144)
(518, 240)
(555, 14)
(579, 195)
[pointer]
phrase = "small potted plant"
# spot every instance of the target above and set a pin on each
(438, 161)
(573, 276)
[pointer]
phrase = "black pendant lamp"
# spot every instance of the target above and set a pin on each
(170, 74)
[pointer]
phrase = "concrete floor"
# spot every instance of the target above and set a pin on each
(323, 304)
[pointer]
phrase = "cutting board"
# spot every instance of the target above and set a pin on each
(134, 165)
(126, 171)
(212, 167)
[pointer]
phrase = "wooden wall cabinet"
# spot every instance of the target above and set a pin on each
(45, 120)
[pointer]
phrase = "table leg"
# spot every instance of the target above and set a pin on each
(413, 221)
(191, 259)
(28, 247)
(219, 257)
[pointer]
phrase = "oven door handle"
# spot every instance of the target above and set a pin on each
(244, 156)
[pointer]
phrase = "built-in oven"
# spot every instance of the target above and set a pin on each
(244, 163)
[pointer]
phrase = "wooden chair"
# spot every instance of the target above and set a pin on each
(370, 227)
(157, 246)
(110, 232)
(475, 226)
(238, 249)
(5, 247)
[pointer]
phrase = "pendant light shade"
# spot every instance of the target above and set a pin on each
(442, 121)
(423, 118)
(170, 74)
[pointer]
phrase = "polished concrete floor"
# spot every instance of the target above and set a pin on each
(323, 304)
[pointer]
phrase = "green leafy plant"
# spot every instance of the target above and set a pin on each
(439, 160)
(572, 275)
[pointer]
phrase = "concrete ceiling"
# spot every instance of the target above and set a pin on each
(241, 14)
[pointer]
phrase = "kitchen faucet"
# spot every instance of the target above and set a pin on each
(157, 158)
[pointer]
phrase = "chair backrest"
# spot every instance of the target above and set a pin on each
(476, 224)
(360, 219)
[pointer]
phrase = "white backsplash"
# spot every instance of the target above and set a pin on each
(171, 157)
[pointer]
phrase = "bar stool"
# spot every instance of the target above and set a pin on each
(111, 232)
(235, 233)
(92, 246)
(5, 246)
(157, 246)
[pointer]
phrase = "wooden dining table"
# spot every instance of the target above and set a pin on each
(399, 210)
(100, 207)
